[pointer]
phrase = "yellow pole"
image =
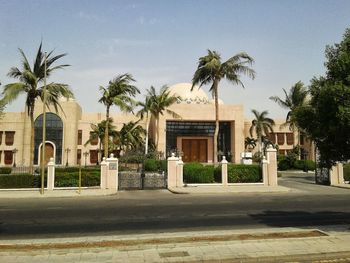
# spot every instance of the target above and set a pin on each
(79, 178)
(44, 131)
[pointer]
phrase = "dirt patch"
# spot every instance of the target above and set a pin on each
(160, 241)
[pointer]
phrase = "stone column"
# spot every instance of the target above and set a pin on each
(336, 174)
(179, 173)
(51, 174)
(112, 173)
(172, 164)
(272, 166)
(103, 176)
(224, 178)
(265, 172)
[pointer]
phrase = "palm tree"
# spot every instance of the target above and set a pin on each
(261, 125)
(31, 83)
(295, 98)
(211, 70)
(144, 113)
(2, 106)
(118, 93)
(249, 143)
(130, 136)
(159, 104)
(98, 133)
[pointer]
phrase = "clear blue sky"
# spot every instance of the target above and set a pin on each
(159, 42)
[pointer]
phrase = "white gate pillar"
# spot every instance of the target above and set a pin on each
(51, 174)
(112, 173)
(179, 173)
(103, 176)
(172, 165)
(336, 174)
(224, 178)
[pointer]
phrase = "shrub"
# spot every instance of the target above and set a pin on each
(257, 157)
(153, 165)
(198, 173)
(346, 172)
(311, 165)
(240, 173)
(284, 165)
(305, 165)
(5, 170)
(71, 179)
(20, 181)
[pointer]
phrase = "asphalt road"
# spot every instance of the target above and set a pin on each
(160, 211)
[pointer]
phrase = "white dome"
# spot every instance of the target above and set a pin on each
(196, 96)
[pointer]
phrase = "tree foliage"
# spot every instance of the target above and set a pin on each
(327, 118)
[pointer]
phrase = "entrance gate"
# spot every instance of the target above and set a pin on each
(139, 181)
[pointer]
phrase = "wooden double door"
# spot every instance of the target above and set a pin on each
(195, 150)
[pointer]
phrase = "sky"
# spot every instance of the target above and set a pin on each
(160, 42)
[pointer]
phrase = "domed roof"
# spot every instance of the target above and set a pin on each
(196, 96)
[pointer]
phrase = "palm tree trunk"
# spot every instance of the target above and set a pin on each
(146, 139)
(216, 132)
(260, 145)
(31, 146)
(157, 124)
(106, 134)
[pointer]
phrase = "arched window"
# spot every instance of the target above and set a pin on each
(54, 134)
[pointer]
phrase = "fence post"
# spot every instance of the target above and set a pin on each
(179, 173)
(224, 178)
(172, 164)
(51, 174)
(336, 174)
(103, 176)
(265, 172)
(112, 173)
(272, 166)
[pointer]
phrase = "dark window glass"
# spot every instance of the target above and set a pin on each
(93, 156)
(280, 138)
(290, 138)
(80, 137)
(54, 134)
(79, 156)
(8, 157)
(9, 137)
(302, 139)
(272, 137)
(1, 137)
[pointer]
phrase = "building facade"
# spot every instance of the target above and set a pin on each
(191, 134)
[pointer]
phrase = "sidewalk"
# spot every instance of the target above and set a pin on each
(62, 192)
(215, 189)
(263, 245)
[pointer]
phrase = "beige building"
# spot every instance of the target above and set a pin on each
(191, 135)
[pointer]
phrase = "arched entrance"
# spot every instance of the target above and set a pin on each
(54, 137)
(49, 152)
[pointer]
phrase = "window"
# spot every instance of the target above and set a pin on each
(302, 139)
(9, 137)
(93, 156)
(54, 134)
(280, 138)
(290, 138)
(272, 137)
(93, 139)
(0, 156)
(1, 137)
(79, 156)
(8, 157)
(80, 137)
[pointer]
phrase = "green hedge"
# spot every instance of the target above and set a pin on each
(153, 165)
(240, 173)
(347, 172)
(196, 173)
(5, 170)
(20, 181)
(68, 179)
(305, 165)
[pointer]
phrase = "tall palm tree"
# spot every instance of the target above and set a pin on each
(249, 143)
(261, 125)
(159, 104)
(211, 70)
(98, 133)
(2, 106)
(119, 93)
(295, 98)
(31, 84)
(144, 113)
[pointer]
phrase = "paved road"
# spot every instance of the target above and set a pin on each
(160, 211)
